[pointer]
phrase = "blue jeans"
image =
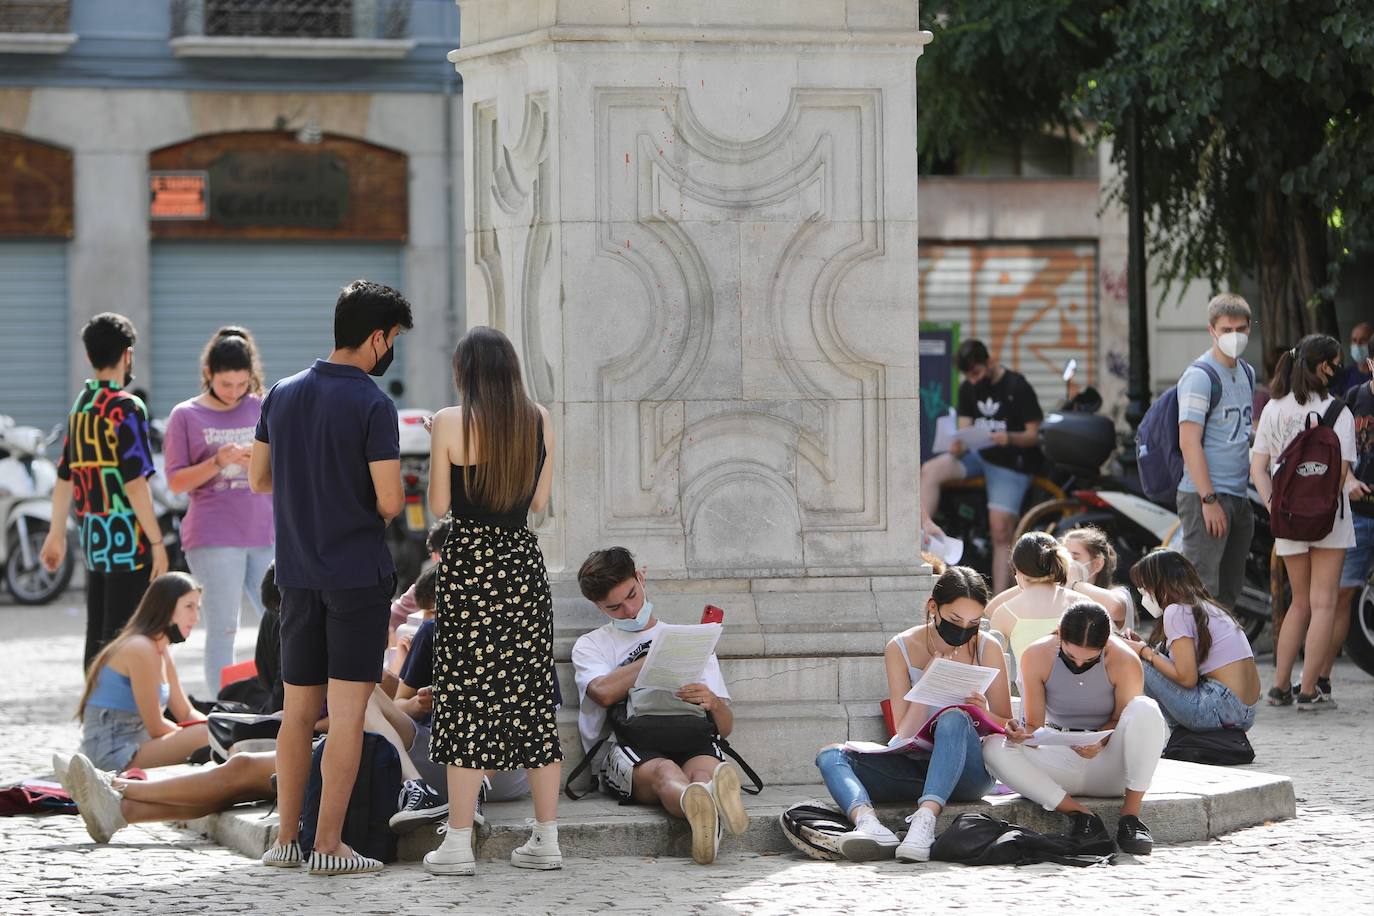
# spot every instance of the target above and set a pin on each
(954, 770)
(226, 573)
(1360, 558)
(1208, 706)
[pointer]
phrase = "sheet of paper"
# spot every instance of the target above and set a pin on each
(947, 683)
(1052, 737)
(974, 438)
(949, 549)
(873, 747)
(678, 655)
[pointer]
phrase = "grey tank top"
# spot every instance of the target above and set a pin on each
(1084, 700)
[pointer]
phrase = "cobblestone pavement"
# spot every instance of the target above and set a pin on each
(1321, 861)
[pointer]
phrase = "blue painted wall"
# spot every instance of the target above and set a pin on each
(124, 44)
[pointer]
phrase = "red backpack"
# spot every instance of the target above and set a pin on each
(1307, 481)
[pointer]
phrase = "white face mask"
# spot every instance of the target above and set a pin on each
(1078, 572)
(1151, 606)
(636, 623)
(1359, 353)
(1232, 343)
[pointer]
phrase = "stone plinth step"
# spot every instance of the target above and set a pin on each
(1188, 803)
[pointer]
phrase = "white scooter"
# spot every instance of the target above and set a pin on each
(27, 479)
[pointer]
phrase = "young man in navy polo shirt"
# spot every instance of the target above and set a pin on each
(328, 450)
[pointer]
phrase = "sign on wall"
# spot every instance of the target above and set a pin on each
(35, 189)
(269, 185)
(938, 343)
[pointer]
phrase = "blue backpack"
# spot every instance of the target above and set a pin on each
(1159, 460)
(376, 788)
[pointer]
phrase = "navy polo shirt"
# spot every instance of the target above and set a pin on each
(325, 425)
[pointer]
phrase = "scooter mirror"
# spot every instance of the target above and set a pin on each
(1070, 369)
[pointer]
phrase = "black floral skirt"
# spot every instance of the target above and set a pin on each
(493, 652)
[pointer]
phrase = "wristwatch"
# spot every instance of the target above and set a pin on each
(1209, 498)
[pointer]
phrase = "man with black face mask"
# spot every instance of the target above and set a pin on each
(328, 450)
(120, 537)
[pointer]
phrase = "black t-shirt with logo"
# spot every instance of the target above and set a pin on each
(1005, 405)
(1361, 403)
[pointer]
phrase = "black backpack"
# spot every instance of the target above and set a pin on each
(1223, 747)
(977, 839)
(366, 826)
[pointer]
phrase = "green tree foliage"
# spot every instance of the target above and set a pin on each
(1257, 123)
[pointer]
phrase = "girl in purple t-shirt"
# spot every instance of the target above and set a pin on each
(227, 532)
(1199, 666)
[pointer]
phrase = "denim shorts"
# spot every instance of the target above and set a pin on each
(1360, 558)
(1006, 488)
(111, 737)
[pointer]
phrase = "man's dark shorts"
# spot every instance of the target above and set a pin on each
(707, 749)
(339, 634)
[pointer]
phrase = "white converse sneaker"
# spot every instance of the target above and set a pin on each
(455, 856)
(725, 789)
(919, 837)
(869, 841)
(324, 865)
(283, 855)
(59, 767)
(540, 850)
(699, 807)
(97, 800)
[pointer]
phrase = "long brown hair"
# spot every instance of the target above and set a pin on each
(1169, 576)
(1096, 542)
(494, 405)
(1040, 558)
(1297, 369)
(232, 349)
(150, 619)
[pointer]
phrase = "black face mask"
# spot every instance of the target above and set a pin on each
(954, 634)
(1074, 666)
(384, 363)
(174, 634)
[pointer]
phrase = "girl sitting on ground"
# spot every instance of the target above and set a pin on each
(1082, 678)
(954, 769)
(1031, 609)
(1206, 677)
(132, 681)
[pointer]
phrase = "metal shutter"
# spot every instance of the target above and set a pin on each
(34, 388)
(1034, 305)
(284, 292)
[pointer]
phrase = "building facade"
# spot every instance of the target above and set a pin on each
(196, 163)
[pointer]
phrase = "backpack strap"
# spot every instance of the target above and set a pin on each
(1214, 395)
(582, 768)
(1249, 374)
(1333, 413)
(743, 765)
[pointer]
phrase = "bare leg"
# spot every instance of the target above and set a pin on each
(660, 780)
(302, 711)
(544, 786)
(171, 749)
(1131, 806)
(376, 720)
(1340, 627)
(1295, 621)
(1003, 525)
(244, 778)
(339, 766)
(935, 473)
(1326, 575)
(463, 785)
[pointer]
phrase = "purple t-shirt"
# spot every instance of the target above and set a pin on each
(1228, 639)
(224, 511)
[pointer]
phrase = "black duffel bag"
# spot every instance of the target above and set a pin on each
(1223, 747)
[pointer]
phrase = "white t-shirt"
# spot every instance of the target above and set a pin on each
(1279, 425)
(602, 651)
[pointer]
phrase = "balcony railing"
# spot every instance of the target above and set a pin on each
(386, 19)
(50, 17)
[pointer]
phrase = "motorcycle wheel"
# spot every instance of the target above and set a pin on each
(35, 585)
(1047, 516)
(1359, 644)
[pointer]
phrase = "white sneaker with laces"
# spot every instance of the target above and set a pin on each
(725, 789)
(699, 807)
(97, 800)
(920, 836)
(869, 841)
(540, 850)
(454, 856)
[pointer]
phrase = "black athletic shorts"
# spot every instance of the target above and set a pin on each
(337, 634)
(707, 749)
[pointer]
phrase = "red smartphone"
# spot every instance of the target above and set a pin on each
(712, 614)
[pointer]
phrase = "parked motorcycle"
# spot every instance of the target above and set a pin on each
(27, 479)
(405, 536)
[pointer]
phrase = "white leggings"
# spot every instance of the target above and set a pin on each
(1046, 775)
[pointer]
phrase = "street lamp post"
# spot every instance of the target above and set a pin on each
(1138, 381)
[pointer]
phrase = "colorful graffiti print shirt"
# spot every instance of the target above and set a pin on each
(107, 444)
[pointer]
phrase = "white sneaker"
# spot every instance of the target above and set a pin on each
(540, 850)
(59, 767)
(869, 841)
(455, 856)
(283, 855)
(324, 865)
(919, 837)
(725, 789)
(699, 807)
(97, 800)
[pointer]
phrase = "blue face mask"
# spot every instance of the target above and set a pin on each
(636, 623)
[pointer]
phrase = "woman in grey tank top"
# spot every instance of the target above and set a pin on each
(1083, 679)
(953, 769)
